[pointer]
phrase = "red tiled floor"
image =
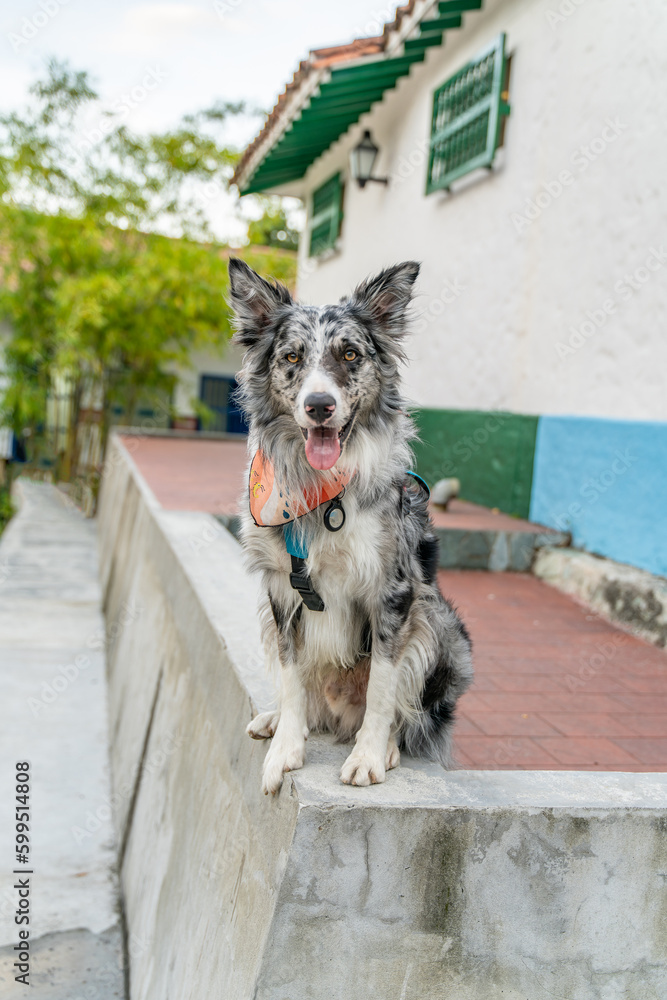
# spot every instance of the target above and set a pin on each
(646, 750)
(591, 724)
(191, 474)
(513, 724)
(648, 704)
(530, 683)
(580, 750)
(645, 685)
(466, 727)
(565, 685)
(507, 753)
(645, 725)
(556, 686)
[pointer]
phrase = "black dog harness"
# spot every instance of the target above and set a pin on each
(295, 543)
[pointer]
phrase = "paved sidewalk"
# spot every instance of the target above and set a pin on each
(53, 714)
(556, 687)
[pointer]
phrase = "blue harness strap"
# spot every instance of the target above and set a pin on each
(299, 578)
(419, 480)
(295, 543)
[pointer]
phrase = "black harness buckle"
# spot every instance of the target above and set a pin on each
(301, 581)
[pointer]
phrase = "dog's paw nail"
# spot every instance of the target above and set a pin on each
(263, 726)
(362, 769)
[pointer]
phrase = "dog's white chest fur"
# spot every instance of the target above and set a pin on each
(345, 568)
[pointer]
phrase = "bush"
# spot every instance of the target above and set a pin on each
(6, 507)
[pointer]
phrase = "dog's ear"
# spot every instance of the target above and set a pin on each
(387, 295)
(253, 300)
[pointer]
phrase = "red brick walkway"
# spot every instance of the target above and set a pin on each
(191, 473)
(556, 687)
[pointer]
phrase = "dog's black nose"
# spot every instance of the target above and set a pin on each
(320, 406)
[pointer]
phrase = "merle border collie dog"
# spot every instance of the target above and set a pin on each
(366, 645)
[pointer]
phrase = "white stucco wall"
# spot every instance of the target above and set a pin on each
(495, 344)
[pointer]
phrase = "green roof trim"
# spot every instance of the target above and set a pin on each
(349, 93)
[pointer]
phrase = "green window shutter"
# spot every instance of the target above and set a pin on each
(326, 216)
(467, 115)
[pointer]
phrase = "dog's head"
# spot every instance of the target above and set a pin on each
(328, 370)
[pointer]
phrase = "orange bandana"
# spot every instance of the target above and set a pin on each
(269, 505)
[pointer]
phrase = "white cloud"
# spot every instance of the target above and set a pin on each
(160, 28)
(166, 18)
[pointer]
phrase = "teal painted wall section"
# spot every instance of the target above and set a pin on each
(491, 453)
(605, 481)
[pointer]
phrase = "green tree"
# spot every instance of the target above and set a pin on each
(272, 229)
(97, 299)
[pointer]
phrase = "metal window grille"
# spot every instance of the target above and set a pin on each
(467, 114)
(326, 216)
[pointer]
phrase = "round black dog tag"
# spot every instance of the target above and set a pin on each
(334, 516)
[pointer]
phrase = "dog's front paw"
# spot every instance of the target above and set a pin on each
(280, 758)
(363, 767)
(263, 726)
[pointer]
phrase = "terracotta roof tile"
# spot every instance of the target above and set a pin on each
(333, 55)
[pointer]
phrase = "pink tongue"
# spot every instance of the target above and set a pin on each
(322, 447)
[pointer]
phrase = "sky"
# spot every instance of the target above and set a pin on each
(183, 55)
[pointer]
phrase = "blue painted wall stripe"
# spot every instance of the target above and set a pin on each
(605, 481)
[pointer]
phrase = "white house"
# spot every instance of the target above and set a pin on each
(524, 149)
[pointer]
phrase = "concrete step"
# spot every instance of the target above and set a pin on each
(474, 537)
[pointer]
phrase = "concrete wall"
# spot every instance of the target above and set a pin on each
(475, 885)
(556, 314)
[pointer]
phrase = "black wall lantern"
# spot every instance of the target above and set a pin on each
(362, 159)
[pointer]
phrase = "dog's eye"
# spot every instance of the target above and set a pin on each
(350, 355)
(293, 357)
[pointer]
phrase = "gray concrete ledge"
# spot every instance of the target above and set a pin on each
(463, 885)
(497, 551)
(622, 594)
